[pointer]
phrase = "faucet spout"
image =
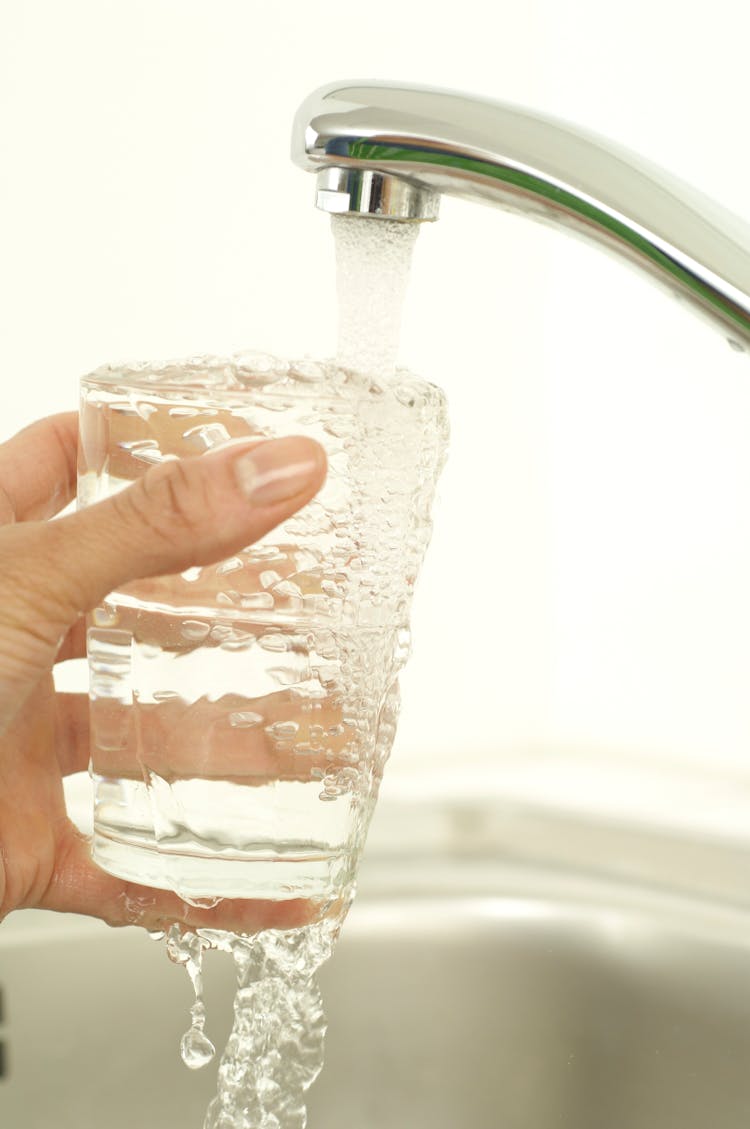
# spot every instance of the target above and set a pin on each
(391, 150)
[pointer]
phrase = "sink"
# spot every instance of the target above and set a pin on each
(464, 992)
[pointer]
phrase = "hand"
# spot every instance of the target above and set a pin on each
(191, 512)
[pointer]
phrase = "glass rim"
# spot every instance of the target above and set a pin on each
(290, 379)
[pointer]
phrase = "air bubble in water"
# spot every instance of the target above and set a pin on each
(283, 730)
(164, 695)
(207, 436)
(230, 565)
(244, 719)
(146, 451)
(309, 371)
(273, 642)
(184, 413)
(268, 578)
(258, 600)
(194, 630)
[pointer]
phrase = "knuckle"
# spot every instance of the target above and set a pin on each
(163, 502)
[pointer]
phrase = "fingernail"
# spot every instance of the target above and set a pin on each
(278, 469)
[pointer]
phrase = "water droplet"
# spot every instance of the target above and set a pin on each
(147, 450)
(207, 435)
(220, 632)
(191, 574)
(288, 589)
(184, 413)
(151, 455)
(194, 630)
(244, 719)
(283, 730)
(260, 364)
(327, 673)
(410, 393)
(257, 600)
(164, 695)
(228, 566)
(324, 643)
(284, 675)
(238, 640)
(200, 903)
(268, 578)
(273, 643)
(339, 428)
(196, 1049)
(308, 371)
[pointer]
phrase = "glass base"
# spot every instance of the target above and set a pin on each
(194, 876)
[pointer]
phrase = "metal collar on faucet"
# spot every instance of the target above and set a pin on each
(391, 150)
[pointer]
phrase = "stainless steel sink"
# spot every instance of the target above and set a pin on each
(465, 993)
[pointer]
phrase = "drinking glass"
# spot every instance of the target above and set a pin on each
(242, 712)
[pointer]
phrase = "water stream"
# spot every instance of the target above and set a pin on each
(275, 1049)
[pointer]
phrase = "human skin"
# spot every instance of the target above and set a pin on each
(180, 514)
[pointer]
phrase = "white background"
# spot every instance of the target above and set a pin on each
(587, 591)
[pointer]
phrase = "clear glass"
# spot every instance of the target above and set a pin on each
(242, 713)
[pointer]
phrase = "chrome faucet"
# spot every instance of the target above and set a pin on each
(391, 150)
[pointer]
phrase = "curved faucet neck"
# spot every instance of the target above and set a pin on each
(391, 150)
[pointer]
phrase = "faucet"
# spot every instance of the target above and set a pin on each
(390, 150)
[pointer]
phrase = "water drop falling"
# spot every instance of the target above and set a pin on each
(196, 1048)
(187, 948)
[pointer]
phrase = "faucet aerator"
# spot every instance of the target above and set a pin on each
(367, 192)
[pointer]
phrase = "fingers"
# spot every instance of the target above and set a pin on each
(38, 469)
(79, 886)
(183, 513)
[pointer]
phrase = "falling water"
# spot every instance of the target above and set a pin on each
(275, 1049)
(373, 261)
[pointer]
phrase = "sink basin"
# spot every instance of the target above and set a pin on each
(462, 994)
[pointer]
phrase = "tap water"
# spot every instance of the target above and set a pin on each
(373, 258)
(196, 1048)
(242, 713)
(275, 1049)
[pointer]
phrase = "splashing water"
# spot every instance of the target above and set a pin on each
(196, 1048)
(275, 1050)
